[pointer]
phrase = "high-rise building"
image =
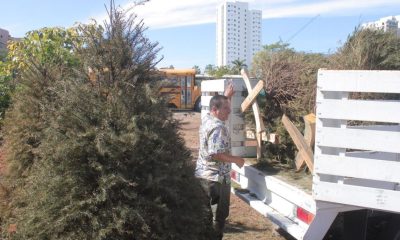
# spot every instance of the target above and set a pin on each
(386, 24)
(4, 37)
(238, 33)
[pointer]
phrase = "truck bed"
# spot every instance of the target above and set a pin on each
(301, 179)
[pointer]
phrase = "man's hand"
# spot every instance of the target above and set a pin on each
(229, 90)
(225, 157)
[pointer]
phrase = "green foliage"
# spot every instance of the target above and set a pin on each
(209, 69)
(291, 83)
(291, 79)
(277, 47)
(5, 89)
(368, 50)
(217, 72)
(48, 46)
(237, 66)
(197, 68)
(99, 158)
(36, 63)
(221, 71)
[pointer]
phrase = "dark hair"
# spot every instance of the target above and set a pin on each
(217, 101)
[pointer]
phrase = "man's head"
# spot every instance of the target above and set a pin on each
(220, 107)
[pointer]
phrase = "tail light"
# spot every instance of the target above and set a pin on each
(304, 215)
(234, 176)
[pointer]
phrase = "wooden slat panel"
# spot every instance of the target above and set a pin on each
(252, 95)
(382, 141)
(359, 81)
(381, 199)
(380, 170)
(380, 111)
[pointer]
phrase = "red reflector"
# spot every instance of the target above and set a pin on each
(304, 215)
(233, 175)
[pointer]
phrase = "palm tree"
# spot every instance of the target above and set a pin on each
(197, 68)
(238, 65)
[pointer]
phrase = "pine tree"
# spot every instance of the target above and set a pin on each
(112, 164)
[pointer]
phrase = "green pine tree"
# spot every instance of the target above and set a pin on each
(108, 162)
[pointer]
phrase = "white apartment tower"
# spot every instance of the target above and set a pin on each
(386, 24)
(238, 33)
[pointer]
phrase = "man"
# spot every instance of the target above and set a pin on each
(214, 162)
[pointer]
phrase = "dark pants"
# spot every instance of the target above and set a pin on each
(219, 197)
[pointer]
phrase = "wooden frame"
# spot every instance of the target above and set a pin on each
(256, 110)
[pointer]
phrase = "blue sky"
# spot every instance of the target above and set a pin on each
(185, 29)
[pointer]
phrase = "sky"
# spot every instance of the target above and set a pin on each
(185, 29)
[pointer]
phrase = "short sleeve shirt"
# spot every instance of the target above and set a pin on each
(214, 138)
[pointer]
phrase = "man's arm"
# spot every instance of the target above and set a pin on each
(229, 90)
(225, 157)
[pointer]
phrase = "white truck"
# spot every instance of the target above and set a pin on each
(356, 171)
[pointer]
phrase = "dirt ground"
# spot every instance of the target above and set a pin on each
(243, 222)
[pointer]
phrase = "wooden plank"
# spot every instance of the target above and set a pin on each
(252, 95)
(359, 81)
(272, 137)
(256, 111)
(371, 110)
(380, 170)
(372, 140)
(309, 129)
(298, 139)
(372, 198)
(309, 137)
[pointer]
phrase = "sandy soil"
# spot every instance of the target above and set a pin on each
(243, 222)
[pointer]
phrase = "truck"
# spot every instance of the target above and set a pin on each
(354, 188)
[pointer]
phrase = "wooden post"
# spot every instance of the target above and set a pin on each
(309, 137)
(259, 123)
(298, 139)
(252, 95)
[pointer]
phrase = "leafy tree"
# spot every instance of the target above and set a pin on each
(217, 72)
(221, 71)
(197, 68)
(209, 69)
(34, 65)
(277, 47)
(3, 55)
(106, 160)
(5, 88)
(237, 66)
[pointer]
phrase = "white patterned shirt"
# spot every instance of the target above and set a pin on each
(214, 138)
